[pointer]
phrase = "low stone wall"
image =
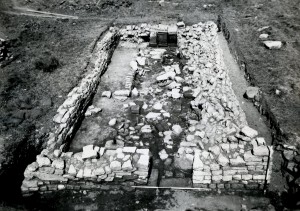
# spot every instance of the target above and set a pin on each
(87, 170)
(248, 170)
(74, 107)
(285, 143)
(225, 151)
(56, 169)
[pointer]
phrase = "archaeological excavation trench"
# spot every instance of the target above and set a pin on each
(156, 108)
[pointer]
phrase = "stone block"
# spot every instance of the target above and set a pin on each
(261, 151)
(227, 178)
(237, 186)
(247, 131)
(259, 177)
(43, 161)
(247, 177)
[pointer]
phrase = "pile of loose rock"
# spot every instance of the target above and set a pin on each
(225, 150)
(94, 165)
(135, 33)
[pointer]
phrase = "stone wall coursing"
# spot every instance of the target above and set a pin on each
(75, 105)
(90, 169)
(56, 169)
(223, 148)
(287, 144)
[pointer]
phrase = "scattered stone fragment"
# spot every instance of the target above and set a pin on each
(146, 129)
(157, 106)
(263, 36)
(92, 110)
(57, 153)
(176, 129)
(122, 93)
(135, 109)
(112, 122)
(133, 65)
(163, 154)
(152, 115)
(141, 61)
(273, 44)
(106, 94)
(175, 93)
(134, 92)
(252, 92)
(180, 24)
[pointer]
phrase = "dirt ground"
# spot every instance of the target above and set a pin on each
(32, 86)
(148, 199)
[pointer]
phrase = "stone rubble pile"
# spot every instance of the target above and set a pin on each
(136, 33)
(225, 150)
(59, 170)
(157, 35)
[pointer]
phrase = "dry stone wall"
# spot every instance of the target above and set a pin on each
(94, 167)
(77, 100)
(226, 153)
